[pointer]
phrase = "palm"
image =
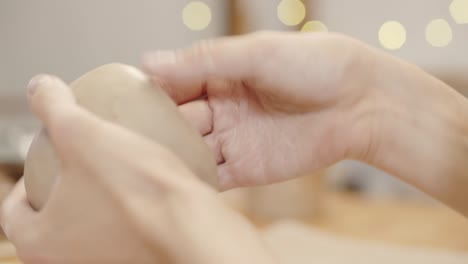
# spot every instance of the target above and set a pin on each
(256, 143)
(279, 105)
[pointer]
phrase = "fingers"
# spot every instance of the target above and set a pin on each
(231, 175)
(214, 144)
(186, 72)
(49, 97)
(226, 179)
(66, 124)
(16, 215)
(199, 114)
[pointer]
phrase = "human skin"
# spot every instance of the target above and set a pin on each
(286, 104)
(125, 96)
(110, 207)
(275, 106)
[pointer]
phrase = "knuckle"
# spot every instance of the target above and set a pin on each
(202, 52)
(63, 122)
(68, 126)
(5, 214)
(30, 246)
(201, 48)
(263, 44)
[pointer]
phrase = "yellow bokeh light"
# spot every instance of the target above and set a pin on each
(291, 12)
(459, 11)
(438, 33)
(392, 35)
(196, 15)
(314, 26)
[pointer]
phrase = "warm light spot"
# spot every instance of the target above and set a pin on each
(438, 33)
(314, 26)
(196, 15)
(392, 35)
(459, 11)
(291, 12)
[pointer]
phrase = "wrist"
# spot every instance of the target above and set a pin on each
(419, 131)
(194, 226)
(207, 231)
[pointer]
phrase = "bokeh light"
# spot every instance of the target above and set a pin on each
(392, 35)
(314, 26)
(196, 15)
(459, 11)
(438, 33)
(291, 12)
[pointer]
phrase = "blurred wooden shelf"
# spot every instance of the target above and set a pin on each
(407, 223)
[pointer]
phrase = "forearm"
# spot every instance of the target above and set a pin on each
(422, 132)
(198, 227)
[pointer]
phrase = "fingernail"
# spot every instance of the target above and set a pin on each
(36, 82)
(153, 61)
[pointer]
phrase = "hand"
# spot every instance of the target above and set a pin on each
(140, 205)
(278, 105)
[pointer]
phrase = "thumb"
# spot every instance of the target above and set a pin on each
(184, 73)
(53, 102)
(50, 98)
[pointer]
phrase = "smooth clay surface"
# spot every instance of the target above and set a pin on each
(124, 95)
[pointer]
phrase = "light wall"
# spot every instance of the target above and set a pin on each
(68, 38)
(363, 19)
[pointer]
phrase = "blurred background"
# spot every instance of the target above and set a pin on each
(350, 199)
